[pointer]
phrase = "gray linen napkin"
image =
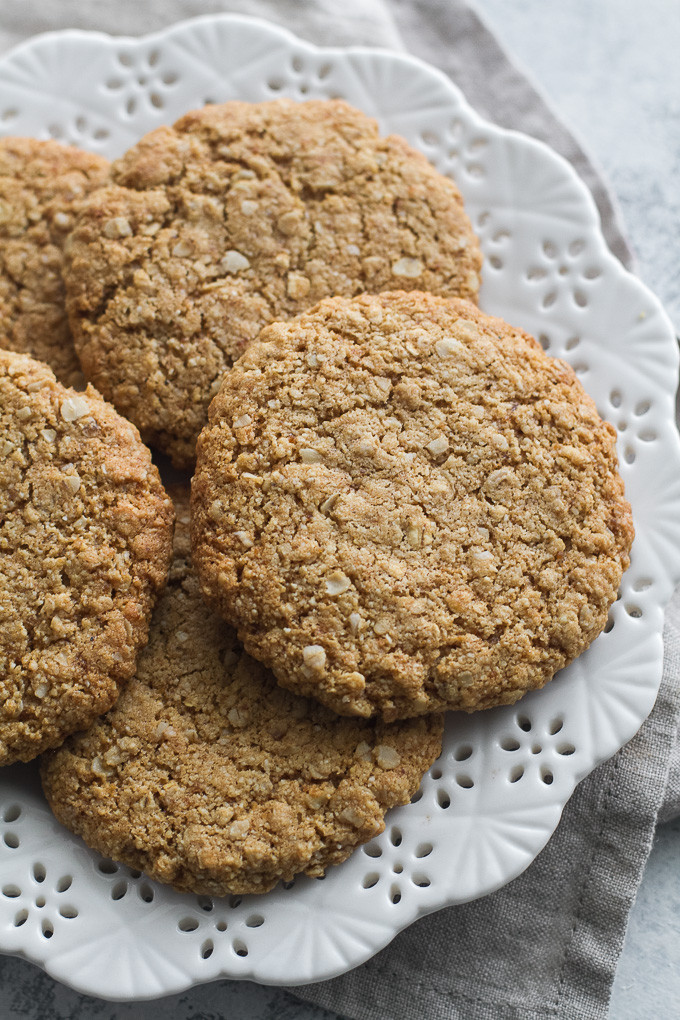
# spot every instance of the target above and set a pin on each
(547, 944)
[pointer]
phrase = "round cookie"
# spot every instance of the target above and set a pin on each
(239, 215)
(40, 183)
(85, 543)
(208, 776)
(405, 505)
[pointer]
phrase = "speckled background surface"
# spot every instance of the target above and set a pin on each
(610, 68)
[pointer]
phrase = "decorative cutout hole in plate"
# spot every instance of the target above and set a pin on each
(205, 903)
(465, 781)
(371, 879)
(188, 924)
(516, 773)
(11, 891)
(429, 138)
(546, 776)
(443, 799)
(423, 850)
(475, 170)
(207, 948)
(556, 725)
(68, 911)
(108, 867)
(146, 892)
(372, 850)
(422, 881)
(395, 895)
(254, 921)
(239, 947)
(463, 752)
(11, 840)
(395, 836)
(11, 813)
(510, 744)
(565, 749)
(524, 722)
(119, 890)
(64, 883)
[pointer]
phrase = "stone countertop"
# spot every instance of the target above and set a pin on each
(610, 70)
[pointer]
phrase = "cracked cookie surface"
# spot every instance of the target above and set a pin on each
(85, 543)
(239, 215)
(208, 776)
(404, 505)
(41, 183)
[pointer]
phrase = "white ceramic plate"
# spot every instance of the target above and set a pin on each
(490, 804)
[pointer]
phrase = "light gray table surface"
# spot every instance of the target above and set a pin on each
(611, 69)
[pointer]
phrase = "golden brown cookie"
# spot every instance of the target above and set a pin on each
(405, 505)
(238, 215)
(40, 185)
(209, 776)
(85, 542)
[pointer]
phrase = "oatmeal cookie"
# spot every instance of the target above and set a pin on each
(404, 505)
(239, 215)
(85, 543)
(40, 185)
(208, 776)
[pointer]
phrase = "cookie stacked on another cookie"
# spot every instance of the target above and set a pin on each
(209, 776)
(240, 215)
(404, 505)
(41, 184)
(85, 543)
